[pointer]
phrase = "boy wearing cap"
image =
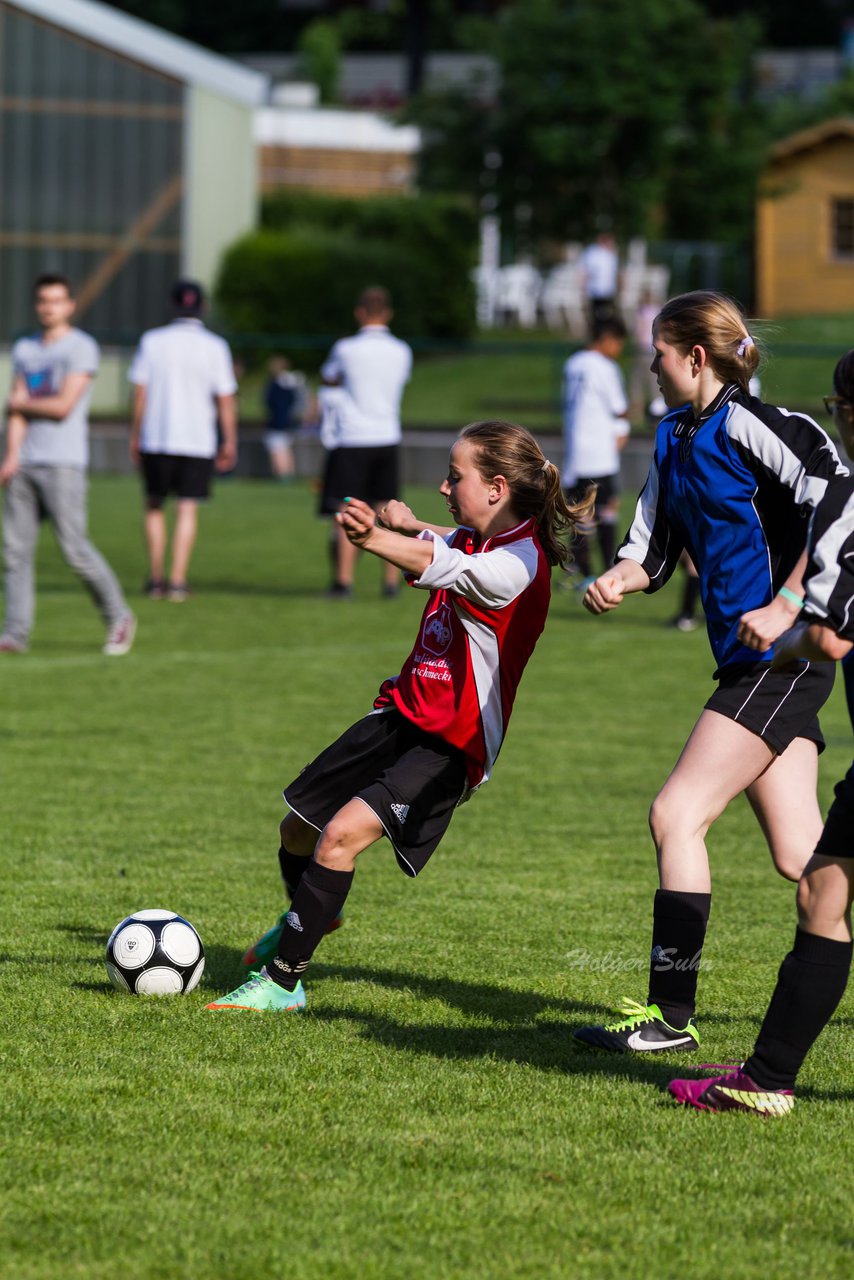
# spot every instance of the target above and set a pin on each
(184, 385)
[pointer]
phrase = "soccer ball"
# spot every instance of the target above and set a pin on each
(155, 953)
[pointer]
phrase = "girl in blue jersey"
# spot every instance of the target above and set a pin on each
(732, 482)
(813, 976)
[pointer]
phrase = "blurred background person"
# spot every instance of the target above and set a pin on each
(44, 467)
(596, 428)
(285, 398)
(184, 395)
(361, 427)
(600, 277)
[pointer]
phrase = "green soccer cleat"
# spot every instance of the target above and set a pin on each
(641, 1030)
(267, 946)
(261, 994)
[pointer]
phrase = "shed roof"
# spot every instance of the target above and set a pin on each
(151, 46)
(806, 139)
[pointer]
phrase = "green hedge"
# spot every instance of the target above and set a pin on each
(303, 271)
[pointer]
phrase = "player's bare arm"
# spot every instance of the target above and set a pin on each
(227, 412)
(137, 411)
(759, 628)
(608, 590)
(57, 407)
(359, 522)
(810, 640)
(400, 518)
(16, 429)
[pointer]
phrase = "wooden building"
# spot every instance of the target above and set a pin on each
(805, 223)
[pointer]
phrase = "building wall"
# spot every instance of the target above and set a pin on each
(221, 200)
(90, 175)
(341, 172)
(797, 272)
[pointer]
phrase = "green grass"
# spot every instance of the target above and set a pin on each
(428, 1116)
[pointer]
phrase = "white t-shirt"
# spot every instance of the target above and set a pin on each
(594, 398)
(183, 367)
(601, 268)
(371, 368)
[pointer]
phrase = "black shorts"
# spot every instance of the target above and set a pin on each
(410, 779)
(608, 487)
(778, 706)
(370, 473)
(837, 838)
(165, 473)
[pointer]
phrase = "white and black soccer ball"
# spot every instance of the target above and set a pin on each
(155, 953)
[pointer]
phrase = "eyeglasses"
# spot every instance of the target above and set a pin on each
(833, 402)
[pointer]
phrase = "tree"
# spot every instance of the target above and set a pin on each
(601, 112)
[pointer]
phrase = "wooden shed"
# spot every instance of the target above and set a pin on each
(805, 223)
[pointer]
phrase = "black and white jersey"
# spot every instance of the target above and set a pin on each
(734, 487)
(829, 579)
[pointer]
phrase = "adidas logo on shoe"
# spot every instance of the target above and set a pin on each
(400, 811)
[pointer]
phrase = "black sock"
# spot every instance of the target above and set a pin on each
(678, 932)
(581, 552)
(292, 868)
(607, 542)
(690, 596)
(320, 895)
(810, 984)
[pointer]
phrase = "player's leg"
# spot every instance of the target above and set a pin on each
(720, 760)
(64, 498)
(319, 898)
(607, 514)
(785, 802)
(155, 478)
(383, 485)
(183, 542)
(810, 985)
(20, 536)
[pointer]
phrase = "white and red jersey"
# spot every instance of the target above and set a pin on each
(487, 609)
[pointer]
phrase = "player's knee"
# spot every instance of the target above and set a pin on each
(338, 845)
(671, 817)
(789, 862)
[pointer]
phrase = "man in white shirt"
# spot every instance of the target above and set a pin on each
(364, 376)
(596, 427)
(600, 270)
(184, 387)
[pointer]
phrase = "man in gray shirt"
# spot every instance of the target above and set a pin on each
(44, 468)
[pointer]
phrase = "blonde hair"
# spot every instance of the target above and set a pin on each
(506, 449)
(715, 322)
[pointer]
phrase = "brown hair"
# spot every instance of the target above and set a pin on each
(716, 323)
(843, 377)
(506, 449)
(49, 278)
(374, 301)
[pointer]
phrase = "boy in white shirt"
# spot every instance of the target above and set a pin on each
(596, 427)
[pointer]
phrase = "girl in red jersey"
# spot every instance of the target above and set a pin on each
(437, 727)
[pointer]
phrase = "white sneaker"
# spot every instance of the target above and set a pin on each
(120, 636)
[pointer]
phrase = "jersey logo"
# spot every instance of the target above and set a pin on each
(400, 811)
(437, 632)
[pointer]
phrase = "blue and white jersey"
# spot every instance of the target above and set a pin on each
(734, 488)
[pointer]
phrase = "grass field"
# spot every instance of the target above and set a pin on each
(428, 1116)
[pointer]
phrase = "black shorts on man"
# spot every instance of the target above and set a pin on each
(369, 472)
(778, 706)
(410, 779)
(174, 473)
